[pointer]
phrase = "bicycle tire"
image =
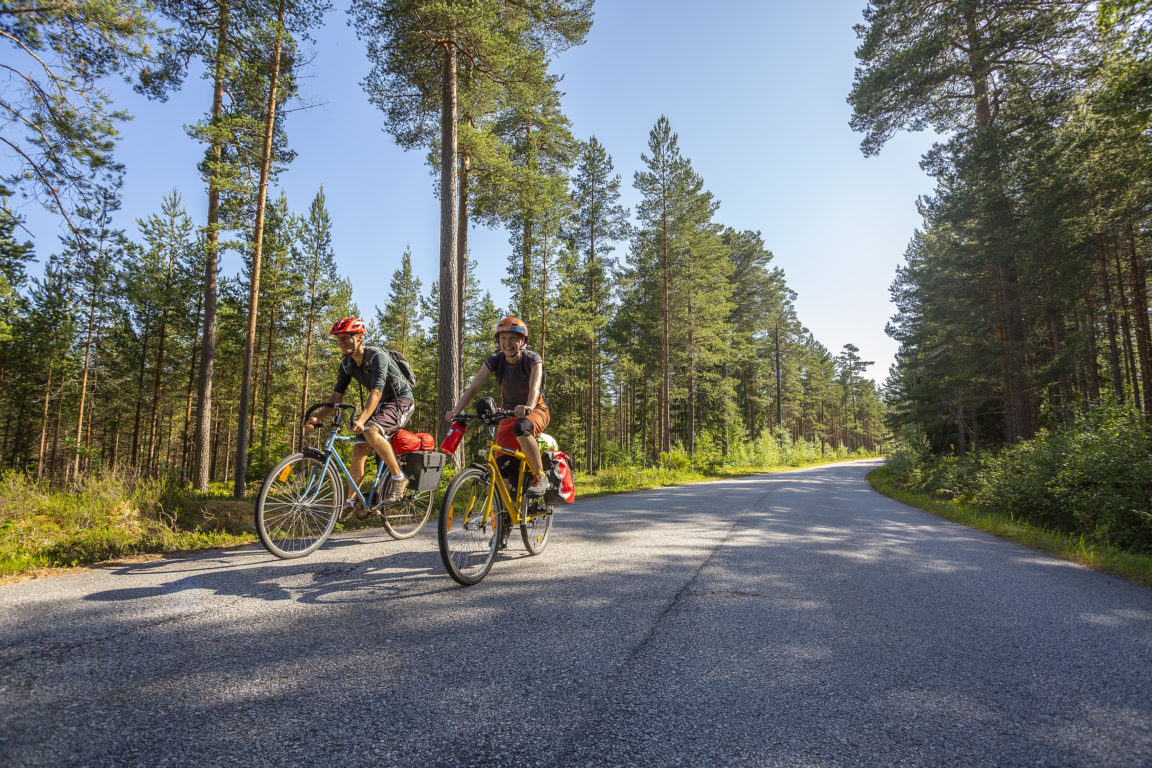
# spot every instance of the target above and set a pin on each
(535, 524)
(468, 535)
(405, 518)
(298, 506)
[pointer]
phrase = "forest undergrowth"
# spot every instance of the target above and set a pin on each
(1081, 490)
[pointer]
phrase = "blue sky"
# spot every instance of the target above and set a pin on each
(756, 91)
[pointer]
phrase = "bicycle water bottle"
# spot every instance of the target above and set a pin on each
(453, 438)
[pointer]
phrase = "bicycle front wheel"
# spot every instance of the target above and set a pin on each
(535, 525)
(406, 517)
(298, 505)
(469, 528)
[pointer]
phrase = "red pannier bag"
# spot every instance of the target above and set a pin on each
(404, 441)
(562, 469)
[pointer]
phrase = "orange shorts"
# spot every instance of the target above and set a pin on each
(539, 416)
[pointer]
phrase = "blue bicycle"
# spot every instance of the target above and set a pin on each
(301, 498)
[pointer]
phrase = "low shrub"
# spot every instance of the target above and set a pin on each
(1090, 477)
(676, 460)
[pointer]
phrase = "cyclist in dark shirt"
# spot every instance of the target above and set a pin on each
(520, 373)
(390, 405)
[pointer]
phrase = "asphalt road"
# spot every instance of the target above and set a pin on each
(795, 619)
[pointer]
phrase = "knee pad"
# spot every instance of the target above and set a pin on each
(522, 428)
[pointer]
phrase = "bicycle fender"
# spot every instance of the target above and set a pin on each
(313, 453)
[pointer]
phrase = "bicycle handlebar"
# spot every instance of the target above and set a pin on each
(340, 408)
(491, 417)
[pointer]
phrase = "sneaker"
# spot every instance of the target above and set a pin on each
(538, 487)
(351, 506)
(396, 489)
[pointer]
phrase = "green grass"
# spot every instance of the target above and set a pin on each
(108, 517)
(1127, 565)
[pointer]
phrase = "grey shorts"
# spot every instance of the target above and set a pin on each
(391, 415)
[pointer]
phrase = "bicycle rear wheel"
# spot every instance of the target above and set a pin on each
(405, 518)
(298, 505)
(536, 517)
(469, 529)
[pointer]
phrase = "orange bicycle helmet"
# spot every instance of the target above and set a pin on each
(511, 325)
(348, 325)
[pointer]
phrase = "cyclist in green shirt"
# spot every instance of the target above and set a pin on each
(390, 405)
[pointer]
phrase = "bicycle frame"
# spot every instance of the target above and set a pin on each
(330, 456)
(498, 485)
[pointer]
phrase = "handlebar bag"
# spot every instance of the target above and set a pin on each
(485, 406)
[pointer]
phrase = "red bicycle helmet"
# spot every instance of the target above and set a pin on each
(511, 325)
(348, 325)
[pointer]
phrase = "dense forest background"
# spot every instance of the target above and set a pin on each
(1023, 297)
(1023, 381)
(662, 329)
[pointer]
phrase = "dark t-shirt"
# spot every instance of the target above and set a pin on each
(513, 379)
(377, 371)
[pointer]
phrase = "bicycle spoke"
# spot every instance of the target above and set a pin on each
(297, 506)
(469, 528)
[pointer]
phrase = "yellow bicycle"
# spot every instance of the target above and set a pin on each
(479, 508)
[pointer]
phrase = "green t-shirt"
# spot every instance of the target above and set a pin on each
(377, 371)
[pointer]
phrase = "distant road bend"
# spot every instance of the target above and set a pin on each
(794, 619)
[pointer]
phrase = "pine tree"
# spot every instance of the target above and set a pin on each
(948, 71)
(65, 127)
(318, 269)
(418, 49)
(599, 223)
(168, 245)
(399, 321)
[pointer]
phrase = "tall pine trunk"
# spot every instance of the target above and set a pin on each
(1140, 313)
(44, 413)
(189, 399)
(157, 385)
(202, 439)
(590, 421)
(84, 379)
(1110, 317)
(461, 256)
(1126, 328)
(297, 433)
(448, 370)
(1019, 407)
(665, 428)
(257, 253)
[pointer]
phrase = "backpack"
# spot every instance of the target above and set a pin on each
(404, 365)
(401, 363)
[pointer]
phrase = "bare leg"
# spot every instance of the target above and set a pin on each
(531, 451)
(360, 453)
(383, 448)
